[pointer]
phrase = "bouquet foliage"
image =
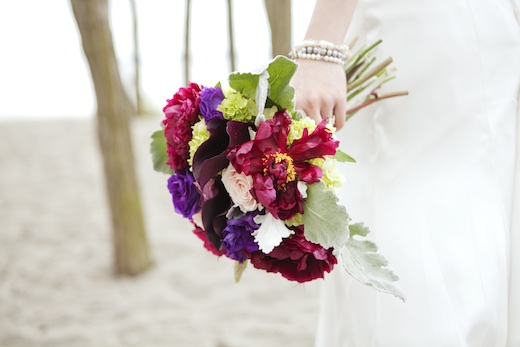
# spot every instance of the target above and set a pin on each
(257, 181)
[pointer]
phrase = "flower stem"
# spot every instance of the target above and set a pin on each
(376, 98)
(371, 73)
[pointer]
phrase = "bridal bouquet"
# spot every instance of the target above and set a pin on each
(257, 180)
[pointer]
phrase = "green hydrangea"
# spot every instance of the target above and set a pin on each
(297, 126)
(295, 221)
(237, 106)
(200, 134)
(332, 176)
(269, 112)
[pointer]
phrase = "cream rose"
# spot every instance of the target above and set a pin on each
(238, 185)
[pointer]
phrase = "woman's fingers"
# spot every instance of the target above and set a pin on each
(327, 107)
(340, 110)
(310, 106)
(321, 91)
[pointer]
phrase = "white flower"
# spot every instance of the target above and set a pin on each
(239, 185)
(252, 133)
(302, 188)
(259, 119)
(271, 232)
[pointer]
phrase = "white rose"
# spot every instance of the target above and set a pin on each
(239, 185)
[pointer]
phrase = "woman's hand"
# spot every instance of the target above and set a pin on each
(321, 90)
(321, 87)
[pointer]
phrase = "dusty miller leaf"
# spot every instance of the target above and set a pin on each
(326, 221)
(261, 91)
(159, 153)
(361, 260)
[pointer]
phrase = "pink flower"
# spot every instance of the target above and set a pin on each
(296, 259)
(181, 114)
(201, 234)
(277, 169)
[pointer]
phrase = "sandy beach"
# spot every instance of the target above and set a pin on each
(56, 282)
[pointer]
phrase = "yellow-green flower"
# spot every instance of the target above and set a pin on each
(295, 221)
(200, 134)
(332, 177)
(237, 107)
(269, 112)
(297, 126)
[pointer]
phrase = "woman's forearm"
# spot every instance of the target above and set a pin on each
(321, 86)
(330, 20)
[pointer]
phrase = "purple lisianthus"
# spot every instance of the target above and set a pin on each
(238, 239)
(185, 195)
(210, 99)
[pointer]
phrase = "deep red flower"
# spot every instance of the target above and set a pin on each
(296, 259)
(201, 234)
(181, 113)
(277, 169)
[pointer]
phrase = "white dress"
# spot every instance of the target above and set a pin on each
(435, 180)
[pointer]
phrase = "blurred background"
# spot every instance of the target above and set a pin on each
(78, 267)
(44, 72)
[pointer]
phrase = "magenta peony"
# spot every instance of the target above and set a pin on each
(181, 114)
(277, 169)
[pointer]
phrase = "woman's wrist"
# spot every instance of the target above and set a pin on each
(320, 50)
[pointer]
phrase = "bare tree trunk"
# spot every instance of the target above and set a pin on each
(137, 63)
(131, 251)
(187, 43)
(231, 36)
(280, 19)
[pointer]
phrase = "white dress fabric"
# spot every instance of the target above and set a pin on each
(435, 180)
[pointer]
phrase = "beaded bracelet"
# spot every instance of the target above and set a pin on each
(320, 50)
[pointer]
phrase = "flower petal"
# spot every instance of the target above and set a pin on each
(263, 190)
(314, 145)
(271, 232)
(296, 259)
(210, 157)
(308, 173)
(214, 209)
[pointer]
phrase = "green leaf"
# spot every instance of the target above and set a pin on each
(361, 260)
(239, 270)
(326, 221)
(159, 153)
(242, 81)
(281, 70)
(343, 157)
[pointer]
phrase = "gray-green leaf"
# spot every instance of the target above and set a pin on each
(361, 260)
(159, 153)
(326, 221)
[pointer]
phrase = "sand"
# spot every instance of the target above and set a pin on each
(57, 287)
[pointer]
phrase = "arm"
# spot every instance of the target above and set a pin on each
(321, 86)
